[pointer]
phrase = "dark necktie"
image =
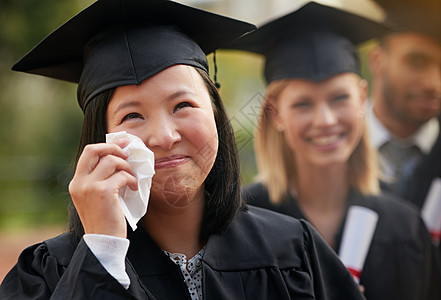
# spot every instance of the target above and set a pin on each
(397, 163)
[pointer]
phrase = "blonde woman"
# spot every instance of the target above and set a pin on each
(313, 151)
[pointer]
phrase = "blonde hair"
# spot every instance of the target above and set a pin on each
(275, 160)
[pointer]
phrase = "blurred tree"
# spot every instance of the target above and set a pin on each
(39, 119)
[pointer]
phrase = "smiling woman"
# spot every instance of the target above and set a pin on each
(141, 67)
(321, 121)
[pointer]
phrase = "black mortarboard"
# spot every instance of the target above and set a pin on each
(314, 42)
(422, 16)
(123, 42)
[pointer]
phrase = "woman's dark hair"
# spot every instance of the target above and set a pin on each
(222, 185)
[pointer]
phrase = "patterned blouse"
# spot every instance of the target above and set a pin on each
(192, 272)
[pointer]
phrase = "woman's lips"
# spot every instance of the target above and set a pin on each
(328, 142)
(325, 140)
(171, 161)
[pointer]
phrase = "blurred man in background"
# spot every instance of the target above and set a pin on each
(406, 97)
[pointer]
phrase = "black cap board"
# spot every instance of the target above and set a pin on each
(313, 42)
(123, 42)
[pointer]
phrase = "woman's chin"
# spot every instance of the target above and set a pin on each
(178, 197)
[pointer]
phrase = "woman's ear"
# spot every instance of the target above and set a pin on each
(363, 87)
(273, 113)
(364, 91)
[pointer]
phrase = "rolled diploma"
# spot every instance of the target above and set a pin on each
(357, 236)
(431, 211)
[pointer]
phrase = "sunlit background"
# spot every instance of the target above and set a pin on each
(41, 121)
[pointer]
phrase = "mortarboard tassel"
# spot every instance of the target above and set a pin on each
(216, 83)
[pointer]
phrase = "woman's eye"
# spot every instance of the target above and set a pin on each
(131, 116)
(181, 105)
(340, 97)
(301, 104)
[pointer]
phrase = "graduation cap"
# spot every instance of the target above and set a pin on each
(422, 16)
(314, 42)
(123, 42)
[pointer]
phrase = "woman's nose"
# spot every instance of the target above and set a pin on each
(324, 116)
(162, 133)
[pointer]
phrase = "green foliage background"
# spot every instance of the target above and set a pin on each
(39, 119)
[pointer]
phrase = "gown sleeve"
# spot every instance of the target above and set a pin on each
(330, 277)
(432, 277)
(39, 274)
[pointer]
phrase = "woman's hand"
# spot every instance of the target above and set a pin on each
(101, 172)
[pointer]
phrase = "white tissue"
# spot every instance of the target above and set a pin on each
(357, 236)
(431, 211)
(134, 203)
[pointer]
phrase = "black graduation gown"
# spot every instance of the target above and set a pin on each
(417, 188)
(262, 255)
(401, 263)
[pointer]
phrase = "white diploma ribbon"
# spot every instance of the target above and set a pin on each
(357, 236)
(134, 203)
(431, 211)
